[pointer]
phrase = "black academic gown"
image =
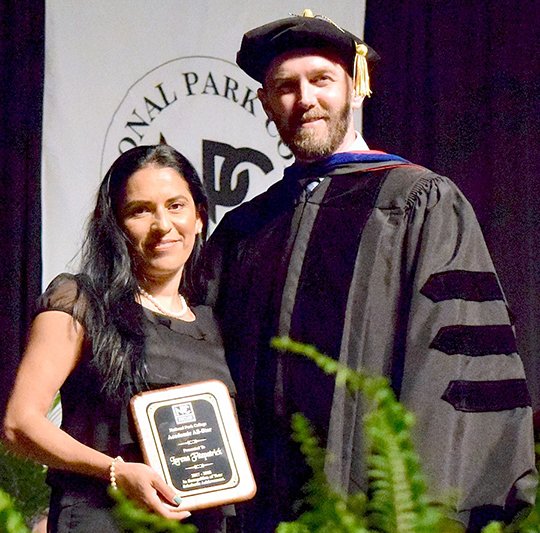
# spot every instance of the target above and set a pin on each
(384, 268)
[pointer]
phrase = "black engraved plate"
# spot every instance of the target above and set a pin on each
(193, 445)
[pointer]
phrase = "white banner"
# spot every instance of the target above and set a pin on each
(127, 72)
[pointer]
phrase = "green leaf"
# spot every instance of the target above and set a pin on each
(133, 518)
(397, 501)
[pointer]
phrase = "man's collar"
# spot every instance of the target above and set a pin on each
(358, 145)
(342, 162)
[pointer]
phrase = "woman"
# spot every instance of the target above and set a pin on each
(120, 326)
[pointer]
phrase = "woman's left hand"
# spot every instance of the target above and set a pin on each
(144, 485)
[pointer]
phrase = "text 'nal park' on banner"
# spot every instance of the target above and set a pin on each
(135, 72)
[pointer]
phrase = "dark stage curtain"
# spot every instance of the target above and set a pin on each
(455, 91)
(21, 94)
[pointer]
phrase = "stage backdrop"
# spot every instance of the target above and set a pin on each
(130, 72)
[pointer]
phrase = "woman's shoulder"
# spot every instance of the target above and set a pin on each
(66, 292)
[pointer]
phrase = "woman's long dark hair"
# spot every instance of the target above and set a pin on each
(113, 319)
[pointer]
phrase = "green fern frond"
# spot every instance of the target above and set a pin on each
(11, 521)
(132, 518)
(397, 492)
(331, 511)
(493, 527)
(24, 479)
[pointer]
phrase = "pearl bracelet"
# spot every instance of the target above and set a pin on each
(112, 473)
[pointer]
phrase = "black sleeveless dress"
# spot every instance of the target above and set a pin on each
(176, 352)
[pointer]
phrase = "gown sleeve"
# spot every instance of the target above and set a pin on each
(460, 370)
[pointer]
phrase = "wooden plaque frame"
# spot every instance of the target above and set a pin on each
(189, 434)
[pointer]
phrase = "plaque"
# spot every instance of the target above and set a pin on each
(190, 436)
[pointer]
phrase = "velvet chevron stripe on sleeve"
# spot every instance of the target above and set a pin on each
(463, 285)
(487, 396)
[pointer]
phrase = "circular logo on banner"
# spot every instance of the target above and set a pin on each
(208, 109)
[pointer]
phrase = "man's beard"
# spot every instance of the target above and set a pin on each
(310, 144)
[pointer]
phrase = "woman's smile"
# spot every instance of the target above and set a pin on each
(164, 245)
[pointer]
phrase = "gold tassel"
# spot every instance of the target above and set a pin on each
(360, 72)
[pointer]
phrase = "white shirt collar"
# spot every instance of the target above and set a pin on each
(358, 144)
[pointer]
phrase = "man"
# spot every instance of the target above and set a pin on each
(382, 265)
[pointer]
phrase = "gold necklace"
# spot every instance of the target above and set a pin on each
(163, 311)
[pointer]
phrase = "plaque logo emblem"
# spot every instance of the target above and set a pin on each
(183, 413)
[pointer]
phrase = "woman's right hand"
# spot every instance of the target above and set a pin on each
(145, 486)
